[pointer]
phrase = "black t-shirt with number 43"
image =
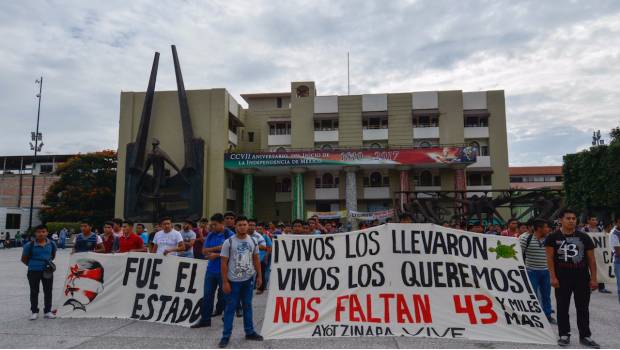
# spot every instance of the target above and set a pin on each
(570, 252)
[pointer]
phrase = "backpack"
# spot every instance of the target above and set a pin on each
(528, 240)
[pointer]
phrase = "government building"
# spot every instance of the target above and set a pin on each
(293, 153)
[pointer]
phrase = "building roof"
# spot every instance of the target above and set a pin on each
(247, 97)
(535, 170)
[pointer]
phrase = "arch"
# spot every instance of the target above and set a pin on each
(425, 144)
(376, 179)
(286, 184)
(327, 147)
(375, 145)
(327, 180)
(280, 149)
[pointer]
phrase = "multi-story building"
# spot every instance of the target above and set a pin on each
(536, 177)
(16, 186)
(354, 152)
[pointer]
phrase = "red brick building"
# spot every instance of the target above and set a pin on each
(534, 177)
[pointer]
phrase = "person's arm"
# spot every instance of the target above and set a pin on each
(259, 277)
(25, 258)
(592, 266)
(99, 248)
(551, 266)
(153, 248)
(224, 270)
(189, 245)
(140, 248)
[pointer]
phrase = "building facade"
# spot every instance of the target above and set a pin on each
(16, 186)
(353, 152)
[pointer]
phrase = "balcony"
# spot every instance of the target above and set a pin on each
(326, 193)
(427, 188)
(377, 192)
(326, 136)
(481, 162)
(374, 134)
(232, 138)
(279, 140)
(476, 132)
(426, 132)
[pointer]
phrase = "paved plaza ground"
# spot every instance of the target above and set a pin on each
(17, 331)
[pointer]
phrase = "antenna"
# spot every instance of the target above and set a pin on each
(348, 76)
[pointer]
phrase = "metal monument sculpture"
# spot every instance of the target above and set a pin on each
(151, 190)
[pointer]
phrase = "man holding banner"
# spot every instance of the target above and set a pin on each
(240, 263)
(592, 227)
(572, 266)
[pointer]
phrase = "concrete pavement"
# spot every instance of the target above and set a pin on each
(16, 331)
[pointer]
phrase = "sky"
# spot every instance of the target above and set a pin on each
(557, 61)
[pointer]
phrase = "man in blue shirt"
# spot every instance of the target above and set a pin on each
(36, 255)
(213, 276)
(264, 256)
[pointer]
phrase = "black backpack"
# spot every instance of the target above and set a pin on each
(528, 240)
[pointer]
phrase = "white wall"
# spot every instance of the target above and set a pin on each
(326, 104)
(475, 100)
(425, 100)
(374, 102)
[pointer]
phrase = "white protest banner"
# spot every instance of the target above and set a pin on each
(417, 280)
(139, 286)
(371, 215)
(603, 255)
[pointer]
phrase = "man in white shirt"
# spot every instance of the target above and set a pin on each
(167, 240)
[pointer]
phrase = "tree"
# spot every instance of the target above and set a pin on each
(615, 135)
(85, 189)
(592, 179)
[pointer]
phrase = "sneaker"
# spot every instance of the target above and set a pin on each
(604, 291)
(223, 342)
(254, 336)
(564, 340)
(201, 324)
(49, 315)
(34, 316)
(587, 341)
(552, 320)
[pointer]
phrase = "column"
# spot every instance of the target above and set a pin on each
(298, 210)
(351, 188)
(404, 186)
(459, 187)
(248, 193)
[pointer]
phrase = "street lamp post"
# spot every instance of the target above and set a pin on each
(36, 137)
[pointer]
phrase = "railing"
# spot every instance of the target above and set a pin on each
(369, 148)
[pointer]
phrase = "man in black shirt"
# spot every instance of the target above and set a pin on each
(572, 266)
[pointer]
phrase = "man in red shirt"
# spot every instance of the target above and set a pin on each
(129, 241)
(512, 230)
(110, 242)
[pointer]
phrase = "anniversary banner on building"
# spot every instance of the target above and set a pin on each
(604, 257)
(139, 286)
(428, 155)
(417, 280)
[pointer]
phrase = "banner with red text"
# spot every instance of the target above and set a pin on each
(416, 280)
(140, 286)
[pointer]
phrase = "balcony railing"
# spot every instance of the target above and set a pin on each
(370, 148)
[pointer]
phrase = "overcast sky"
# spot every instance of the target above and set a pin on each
(558, 61)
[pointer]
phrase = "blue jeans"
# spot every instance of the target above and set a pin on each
(239, 292)
(541, 283)
(212, 281)
(617, 272)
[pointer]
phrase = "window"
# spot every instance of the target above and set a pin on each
(375, 179)
(327, 180)
(283, 128)
(375, 145)
(326, 147)
(46, 168)
(516, 179)
(251, 136)
(375, 123)
(478, 179)
(425, 144)
(326, 125)
(279, 102)
(476, 121)
(284, 185)
(13, 221)
(280, 149)
(425, 121)
(426, 178)
(303, 91)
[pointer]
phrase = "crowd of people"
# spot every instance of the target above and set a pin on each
(238, 253)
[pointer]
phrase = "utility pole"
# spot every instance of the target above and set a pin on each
(36, 137)
(348, 76)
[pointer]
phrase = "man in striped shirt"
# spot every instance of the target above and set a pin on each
(535, 258)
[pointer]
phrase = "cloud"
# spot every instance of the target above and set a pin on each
(556, 60)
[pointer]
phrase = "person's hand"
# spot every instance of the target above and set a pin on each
(593, 284)
(259, 282)
(226, 287)
(555, 283)
(166, 251)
